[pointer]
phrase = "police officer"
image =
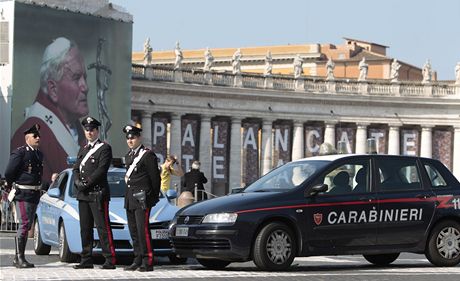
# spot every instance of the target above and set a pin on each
(24, 175)
(90, 174)
(143, 187)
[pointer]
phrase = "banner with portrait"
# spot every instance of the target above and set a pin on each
(314, 137)
(189, 141)
(220, 156)
(160, 137)
(442, 146)
(347, 134)
(380, 134)
(282, 143)
(410, 142)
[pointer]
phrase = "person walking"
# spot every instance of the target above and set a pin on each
(195, 178)
(24, 177)
(90, 173)
(142, 192)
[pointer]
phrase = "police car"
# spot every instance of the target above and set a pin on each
(57, 221)
(374, 205)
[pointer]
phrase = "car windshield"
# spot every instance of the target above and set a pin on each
(287, 177)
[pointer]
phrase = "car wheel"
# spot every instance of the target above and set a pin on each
(40, 248)
(443, 247)
(177, 260)
(382, 259)
(274, 247)
(65, 255)
(213, 263)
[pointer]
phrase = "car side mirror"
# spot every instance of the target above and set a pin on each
(314, 190)
(236, 190)
(54, 192)
(171, 194)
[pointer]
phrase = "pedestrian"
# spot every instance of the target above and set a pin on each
(93, 195)
(142, 192)
(195, 179)
(24, 177)
(170, 167)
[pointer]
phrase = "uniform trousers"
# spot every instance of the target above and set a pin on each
(138, 223)
(92, 213)
(25, 213)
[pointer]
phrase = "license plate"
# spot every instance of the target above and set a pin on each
(160, 234)
(182, 231)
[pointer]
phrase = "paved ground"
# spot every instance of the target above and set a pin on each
(407, 267)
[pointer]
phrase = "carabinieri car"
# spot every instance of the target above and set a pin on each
(374, 205)
(57, 219)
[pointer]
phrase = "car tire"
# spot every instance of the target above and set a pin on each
(213, 263)
(381, 259)
(65, 255)
(443, 248)
(40, 248)
(275, 247)
(177, 260)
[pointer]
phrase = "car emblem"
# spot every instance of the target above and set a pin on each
(318, 218)
(187, 218)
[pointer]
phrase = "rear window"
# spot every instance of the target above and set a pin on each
(398, 174)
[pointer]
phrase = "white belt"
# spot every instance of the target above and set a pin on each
(29, 187)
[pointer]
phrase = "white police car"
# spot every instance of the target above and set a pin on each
(57, 219)
(374, 205)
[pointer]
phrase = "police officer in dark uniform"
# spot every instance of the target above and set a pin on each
(143, 187)
(24, 175)
(90, 174)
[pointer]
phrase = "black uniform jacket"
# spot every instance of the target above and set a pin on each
(94, 172)
(192, 177)
(26, 168)
(145, 176)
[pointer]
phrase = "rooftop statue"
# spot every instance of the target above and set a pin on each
(363, 69)
(395, 66)
(236, 62)
(427, 72)
(147, 52)
(298, 70)
(179, 57)
(330, 65)
(208, 60)
(268, 64)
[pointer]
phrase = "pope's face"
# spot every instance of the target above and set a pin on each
(70, 93)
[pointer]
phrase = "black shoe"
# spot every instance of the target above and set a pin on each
(132, 267)
(83, 265)
(143, 268)
(107, 265)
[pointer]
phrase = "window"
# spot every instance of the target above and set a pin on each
(398, 174)
(348, 178)
(435, 176)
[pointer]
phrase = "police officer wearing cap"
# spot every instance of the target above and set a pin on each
(93, 195)
(143, 187)
(24, 175)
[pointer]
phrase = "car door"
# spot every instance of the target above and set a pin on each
(406, 204)
(344, 215)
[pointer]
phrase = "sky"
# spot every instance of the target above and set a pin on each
(414, 30)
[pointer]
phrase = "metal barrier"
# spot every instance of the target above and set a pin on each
(7, 223)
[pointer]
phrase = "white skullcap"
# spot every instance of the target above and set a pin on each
(56, 49)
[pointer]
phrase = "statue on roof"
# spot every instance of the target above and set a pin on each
(268, 64)
(179, 57)
(208, 60)
(147, 52)
(363, 69)
(236, 62)
(427, 72)
(330, 65)
(457, 74)
(395, 66)
(298, 69)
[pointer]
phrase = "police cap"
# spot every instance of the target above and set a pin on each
(33, 130)
(90, 123)
(131, 131)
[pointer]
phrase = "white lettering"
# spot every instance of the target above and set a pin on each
(216, 134)
(409, 144)
(332, 218)
(388, 215)
(158, 131)
(413, 214)
(188, 136)
(342, 218)
(280, 141)
(362, 217)
(344, 138)
(311, 145)
(218, 167)
(352, 216)
(250, 139)
(187, 158)
(377, 136)
(373, 216)
(403, 215)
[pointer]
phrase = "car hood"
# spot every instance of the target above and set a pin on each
(163, 211)
(232, 203)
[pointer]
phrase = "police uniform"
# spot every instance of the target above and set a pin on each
(24, 174)
(142, 175)
(93, 195)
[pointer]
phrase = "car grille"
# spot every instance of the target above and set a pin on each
(208, 244)
(191, 219)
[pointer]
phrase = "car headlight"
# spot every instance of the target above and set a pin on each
(220, 218)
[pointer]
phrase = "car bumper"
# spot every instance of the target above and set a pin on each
(210, 241)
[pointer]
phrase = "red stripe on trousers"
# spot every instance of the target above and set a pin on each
(148, 240)
(109, 231)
